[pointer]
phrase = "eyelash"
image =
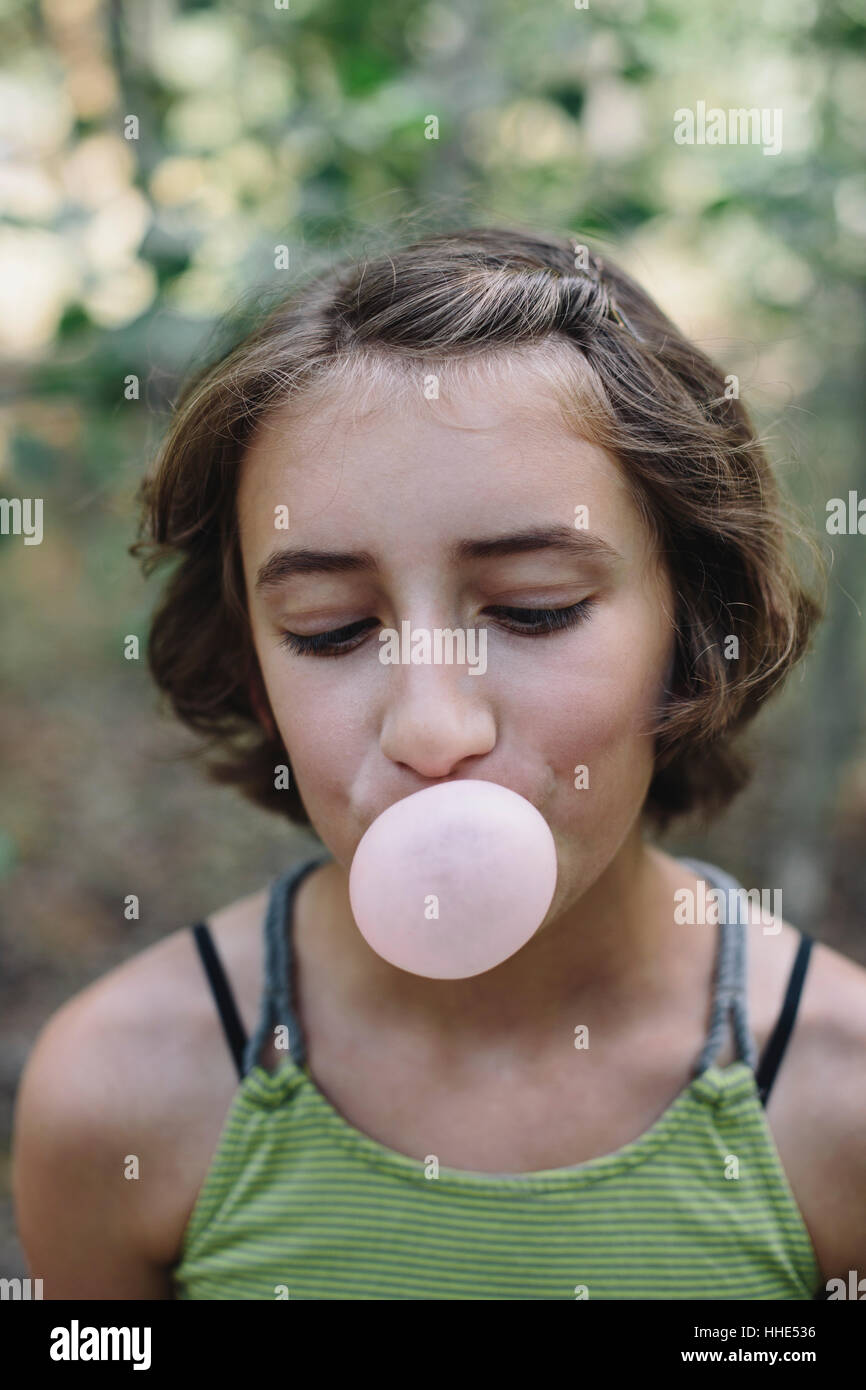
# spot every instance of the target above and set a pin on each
(547, 620)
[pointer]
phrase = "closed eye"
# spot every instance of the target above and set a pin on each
(541, 620)
(527, 621)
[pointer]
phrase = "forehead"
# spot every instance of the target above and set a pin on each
(425, 446)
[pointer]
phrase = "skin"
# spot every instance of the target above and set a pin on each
(405, 485)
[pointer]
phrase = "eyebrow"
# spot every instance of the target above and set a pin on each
(283, 565)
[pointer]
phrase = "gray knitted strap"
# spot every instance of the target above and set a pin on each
(731, 982)
(277, 1006)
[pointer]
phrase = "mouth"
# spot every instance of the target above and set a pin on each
(444, 782)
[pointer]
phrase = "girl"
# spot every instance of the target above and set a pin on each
(489, 429)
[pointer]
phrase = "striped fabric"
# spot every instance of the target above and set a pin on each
(297, 1203)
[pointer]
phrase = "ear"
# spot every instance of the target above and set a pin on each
(260, 704)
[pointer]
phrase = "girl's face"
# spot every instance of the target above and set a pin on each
(413, 514)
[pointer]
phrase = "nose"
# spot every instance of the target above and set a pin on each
(436, 718)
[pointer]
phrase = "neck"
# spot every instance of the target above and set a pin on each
(615, 953)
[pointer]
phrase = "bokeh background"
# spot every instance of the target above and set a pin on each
(304, 127)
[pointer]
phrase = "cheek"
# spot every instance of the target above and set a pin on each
(323, 720)
(311, 721)
(594, 702)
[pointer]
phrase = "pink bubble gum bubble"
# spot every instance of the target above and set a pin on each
(475, 852)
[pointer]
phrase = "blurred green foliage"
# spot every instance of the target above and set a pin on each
(307, 128)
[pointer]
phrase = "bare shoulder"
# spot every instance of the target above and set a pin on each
(147, 1022)
(832, 1012)
(817, 1107)
(125, 1088)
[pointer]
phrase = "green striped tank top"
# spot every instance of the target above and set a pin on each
(298, 1203)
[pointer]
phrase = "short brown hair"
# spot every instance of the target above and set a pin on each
(653, 399)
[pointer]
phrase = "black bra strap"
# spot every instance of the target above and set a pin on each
(778, 1041)
(222, 993)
